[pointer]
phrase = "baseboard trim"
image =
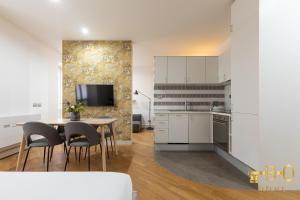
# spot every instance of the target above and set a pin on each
(184, 147)
(9, 150)
(232, 160)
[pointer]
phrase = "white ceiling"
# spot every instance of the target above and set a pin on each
(187, 27)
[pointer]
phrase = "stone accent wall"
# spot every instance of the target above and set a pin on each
(101, 62)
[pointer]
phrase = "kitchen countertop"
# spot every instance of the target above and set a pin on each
(189, 112)
(221, 113)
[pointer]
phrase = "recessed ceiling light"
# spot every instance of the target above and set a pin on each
(84, 31)
(55, 1)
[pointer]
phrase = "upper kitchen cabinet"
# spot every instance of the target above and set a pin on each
(161, 69)
(195, 69)
(212, 69)
(177, 69)
(187, 70)
(224, 66)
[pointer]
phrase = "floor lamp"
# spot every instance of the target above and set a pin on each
(149, 121)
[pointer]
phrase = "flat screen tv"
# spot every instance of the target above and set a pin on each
(95, 95)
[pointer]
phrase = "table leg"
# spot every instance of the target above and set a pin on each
(115, 138)
(21, 153)
(103, 148)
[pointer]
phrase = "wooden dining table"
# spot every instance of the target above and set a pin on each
(100, 123)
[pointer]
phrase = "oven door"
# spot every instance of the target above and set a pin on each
(221, 134)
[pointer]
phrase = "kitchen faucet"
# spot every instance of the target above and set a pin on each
(186, 105)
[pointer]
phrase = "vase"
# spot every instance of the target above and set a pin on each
(74, 116)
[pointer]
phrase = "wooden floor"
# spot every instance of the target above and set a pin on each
(150, 180)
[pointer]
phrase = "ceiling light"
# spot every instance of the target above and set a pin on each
(85, 31)
(55, 1)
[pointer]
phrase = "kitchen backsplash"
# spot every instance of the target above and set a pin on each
(197, 96)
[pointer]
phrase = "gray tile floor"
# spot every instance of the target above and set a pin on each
(204, 167)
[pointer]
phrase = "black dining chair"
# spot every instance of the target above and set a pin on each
(88, 137)
(61, 131)
(49, 138)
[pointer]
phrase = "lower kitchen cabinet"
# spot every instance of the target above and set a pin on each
(199, 128)
(178, 128)
(182, 128)
(161, 136)
(161, 123)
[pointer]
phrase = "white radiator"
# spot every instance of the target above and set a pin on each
(10, 134)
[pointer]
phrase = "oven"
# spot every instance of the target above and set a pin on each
(221, 131)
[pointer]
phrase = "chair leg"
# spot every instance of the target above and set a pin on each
(48, 158)
(85, 153)
(75, 153)
(80, 149)
(89, 159)
(113, 137)
(26, 158)
(44, 155)
(111, 144)
(52, 148)
(107, 148)
(65, 148)
(67, 159)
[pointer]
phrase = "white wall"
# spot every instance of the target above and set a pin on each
(28, 74)
(143, 79)
(279, 86)
(244, 83)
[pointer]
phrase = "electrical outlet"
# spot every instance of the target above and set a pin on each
(6, 125)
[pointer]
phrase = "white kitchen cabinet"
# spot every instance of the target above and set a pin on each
(188, 70)
(224, 66)
(212, 69)
(178, 128)
(177, 69)
(161, 136)
(161, 131)
(245, 139)
(199, 128)
(161, 69)
(195, 69)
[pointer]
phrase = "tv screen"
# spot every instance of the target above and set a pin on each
(95, 95)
